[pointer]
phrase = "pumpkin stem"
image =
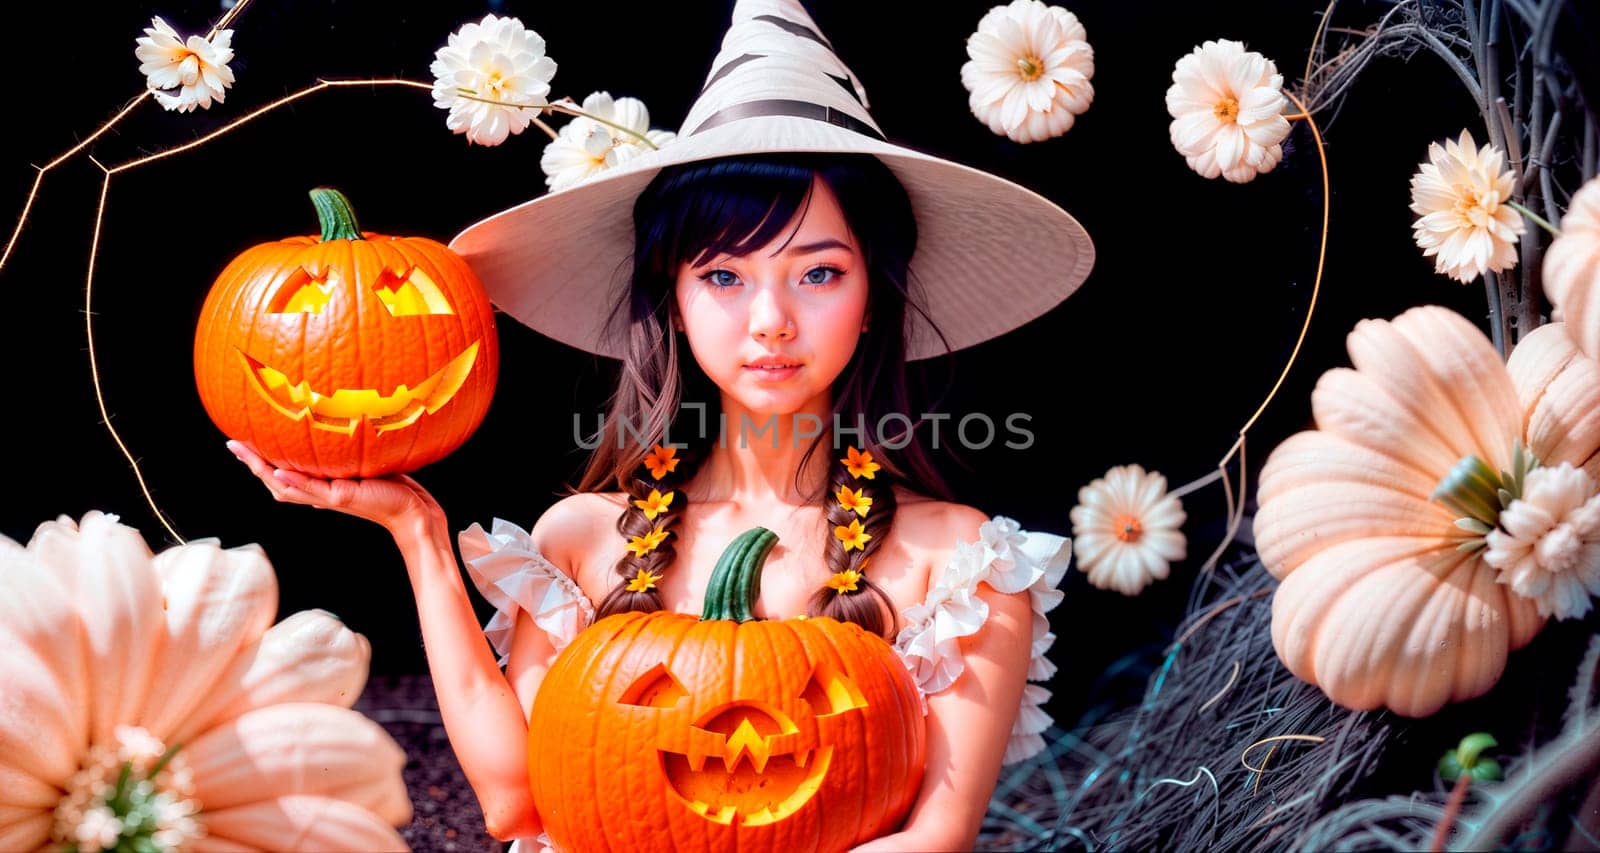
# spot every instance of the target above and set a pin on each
(1478, 493)
(335, 215)
(736, 580)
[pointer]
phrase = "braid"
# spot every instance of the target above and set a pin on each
(841, 597)
(646, 562)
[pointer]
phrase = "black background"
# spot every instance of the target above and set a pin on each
(1192, 310)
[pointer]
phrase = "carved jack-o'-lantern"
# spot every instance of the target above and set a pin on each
(347, 354)
(664, 731)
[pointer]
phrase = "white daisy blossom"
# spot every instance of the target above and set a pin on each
(1126, 529)
(1547, 544)
(1028, 70)
(196, 68)
(496, 59)
(1465, 225)
(584, 148)
(1226, 105)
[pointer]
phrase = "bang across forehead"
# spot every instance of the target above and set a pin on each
(732, 207)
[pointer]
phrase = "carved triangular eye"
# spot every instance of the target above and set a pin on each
(655, 689)
(303, 293)
(831, 692)
(413, 295)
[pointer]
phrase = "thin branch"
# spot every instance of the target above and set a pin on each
(33, 193)
(1454, 62)
(1316, 285)
(94, 364)
(1497, 320)
(1591, 149)
(1489, 69)
(260, 111)
(1316, 37)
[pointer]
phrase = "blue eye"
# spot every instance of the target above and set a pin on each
(829, 274)
(716, 278)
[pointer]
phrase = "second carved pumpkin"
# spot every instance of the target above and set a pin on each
(663, 731)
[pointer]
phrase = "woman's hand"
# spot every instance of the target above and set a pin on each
(389, 501)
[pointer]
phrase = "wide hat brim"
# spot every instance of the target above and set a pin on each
(991, 254)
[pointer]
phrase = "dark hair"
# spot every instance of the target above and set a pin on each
(693, 211)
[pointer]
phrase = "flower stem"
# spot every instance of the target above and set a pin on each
(1452, 809)
(1198, 483)
(643, 140)
(1534, 216)
(563, 106)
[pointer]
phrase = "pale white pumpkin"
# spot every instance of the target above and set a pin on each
(1560, 390)
(1571, 270)
(1377, 606)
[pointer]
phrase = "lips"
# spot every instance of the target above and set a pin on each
(342, 409)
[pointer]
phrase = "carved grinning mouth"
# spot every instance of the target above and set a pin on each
(344, 408)
(753, 775)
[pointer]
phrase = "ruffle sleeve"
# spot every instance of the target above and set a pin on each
(1008, 559)
(511, 573)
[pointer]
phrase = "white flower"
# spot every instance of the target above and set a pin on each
(1029, 69)
(1465, 224)
(496, 59)
(1226, 105)
(197, 68)
(1126, 529)
(584, 147)
(98, 830)
(125, 652)
(1547, 544)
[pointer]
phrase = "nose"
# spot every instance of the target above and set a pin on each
(770, 317)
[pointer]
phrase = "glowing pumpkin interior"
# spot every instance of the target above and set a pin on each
(747, 760)
(409, 294)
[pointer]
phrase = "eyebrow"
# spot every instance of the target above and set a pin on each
(808, 248)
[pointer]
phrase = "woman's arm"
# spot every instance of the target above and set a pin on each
(488, 733)
(969, 723)
(483, 716)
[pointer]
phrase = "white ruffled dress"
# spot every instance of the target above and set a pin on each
(513, 575)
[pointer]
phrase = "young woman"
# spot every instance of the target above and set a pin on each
(763, 330)
(793, 311)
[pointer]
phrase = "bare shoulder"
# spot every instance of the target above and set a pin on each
(934, 527)
(564, 533)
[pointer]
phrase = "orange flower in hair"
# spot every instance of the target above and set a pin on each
(642, 545)
(853, 501)
(654, 505)
(845, 581)
(661, 461)
(643, 581)
(860, 464)
(853, 536)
